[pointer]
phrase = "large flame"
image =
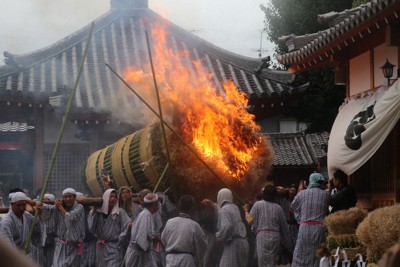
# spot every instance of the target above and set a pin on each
(215, 121)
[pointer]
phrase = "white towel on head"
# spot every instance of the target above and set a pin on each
(224, 195)
(106, 200)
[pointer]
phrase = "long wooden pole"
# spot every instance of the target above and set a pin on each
(177, 134)
(60, 136)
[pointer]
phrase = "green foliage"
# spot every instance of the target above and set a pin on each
(318, 107)
(357, 3)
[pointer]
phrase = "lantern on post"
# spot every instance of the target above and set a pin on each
(387, 70)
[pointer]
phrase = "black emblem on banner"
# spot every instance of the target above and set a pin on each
(356, 127)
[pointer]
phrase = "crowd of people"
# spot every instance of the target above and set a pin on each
(279, 226)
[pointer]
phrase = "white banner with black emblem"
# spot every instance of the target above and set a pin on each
(361, 127)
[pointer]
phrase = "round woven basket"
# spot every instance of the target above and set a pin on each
(129, 161)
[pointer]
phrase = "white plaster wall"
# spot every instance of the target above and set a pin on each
(360, 78)
(381, 53)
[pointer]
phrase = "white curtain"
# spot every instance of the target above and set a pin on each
(361, 127)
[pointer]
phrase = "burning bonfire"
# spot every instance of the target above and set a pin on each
(210, 118)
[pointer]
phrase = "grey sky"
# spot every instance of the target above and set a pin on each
(234, 25)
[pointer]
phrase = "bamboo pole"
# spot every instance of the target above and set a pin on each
(177, 134)
(158, 98)
(60, 135)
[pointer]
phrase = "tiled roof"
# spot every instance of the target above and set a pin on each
(298, 149)
(119, 40)
(346, 28)
(15, 127)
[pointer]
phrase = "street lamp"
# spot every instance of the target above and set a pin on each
(387, 70)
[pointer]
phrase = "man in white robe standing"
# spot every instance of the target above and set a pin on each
(271, 229)
(231, 232)
(183, 238)
(107, 223)
(138, 252)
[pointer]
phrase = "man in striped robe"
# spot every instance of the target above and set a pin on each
(142, 234)
(48, 249)
(231, 232)
(183, 238)
(310, 208)
(271, 229)
(69, 219)
(107, 224)
(16, 224)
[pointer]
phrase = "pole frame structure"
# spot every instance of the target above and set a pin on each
(176, 134)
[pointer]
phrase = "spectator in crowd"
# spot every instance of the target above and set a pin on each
(183, 238)
(345, 197)
(270, 226)
(208, 220)
(310, 207)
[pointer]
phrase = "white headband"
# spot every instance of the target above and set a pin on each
(69, 190)
(18, 196)
(148, 200)
(51, 197)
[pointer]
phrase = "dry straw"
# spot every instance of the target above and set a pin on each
(379, 231)
(344, 221)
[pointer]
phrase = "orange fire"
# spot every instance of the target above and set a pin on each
(214, 120)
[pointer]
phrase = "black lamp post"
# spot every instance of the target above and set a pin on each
(387, 70)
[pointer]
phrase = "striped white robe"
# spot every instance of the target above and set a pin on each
(230, 232)
(271, 231)
(310, 206)
(142, 233)
(108, 229)
(184, 242)
(16, 232)
(48, 249)
(70, 231)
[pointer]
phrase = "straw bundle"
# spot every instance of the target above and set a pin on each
(379, 231)
(344, 221)
(190, 175)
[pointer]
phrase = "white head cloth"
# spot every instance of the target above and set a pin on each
(10, 195)
(106, 200)
(51, 197)
(224, 195)
(18, 196)
(79, 194)
(69, 190)
(150, 198)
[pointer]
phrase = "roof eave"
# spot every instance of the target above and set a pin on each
(315, 56)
